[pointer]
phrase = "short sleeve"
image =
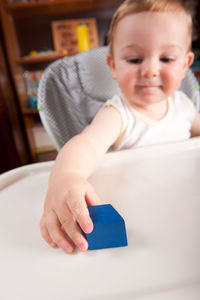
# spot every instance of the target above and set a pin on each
(189, 102)
(123, 114)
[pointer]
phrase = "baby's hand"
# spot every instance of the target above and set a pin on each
(65, 206)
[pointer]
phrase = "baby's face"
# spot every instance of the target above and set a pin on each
(150, 55)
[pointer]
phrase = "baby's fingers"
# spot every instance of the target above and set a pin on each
(45, 233)
(53, 234)
(91, 197)
(70, 226)
(79, 210)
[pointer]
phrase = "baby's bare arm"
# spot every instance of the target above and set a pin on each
(69, 192)
(195, 130)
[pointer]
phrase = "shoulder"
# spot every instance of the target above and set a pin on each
(118, 103)
(182, 101)
(116, 100)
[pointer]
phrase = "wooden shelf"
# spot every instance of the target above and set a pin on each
(29, 111)
(39, 58)
(54, 7)
(41, 150)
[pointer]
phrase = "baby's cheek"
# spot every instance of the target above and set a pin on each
(173, 81)
(130, 77)
(124, 83)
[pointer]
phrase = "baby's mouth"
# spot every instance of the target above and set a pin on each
(148, 89)
(148, 86)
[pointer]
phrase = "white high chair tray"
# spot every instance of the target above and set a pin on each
(155, 189)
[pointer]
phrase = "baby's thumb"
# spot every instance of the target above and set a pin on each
(91, 197)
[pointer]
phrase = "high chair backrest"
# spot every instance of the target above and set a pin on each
(73, 89)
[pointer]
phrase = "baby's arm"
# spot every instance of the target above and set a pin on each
(69, 192)
(195, 130)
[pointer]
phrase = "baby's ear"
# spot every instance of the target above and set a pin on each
(190, 58)
(110, 62)
(188, 61)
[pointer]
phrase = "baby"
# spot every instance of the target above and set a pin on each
(149, 54)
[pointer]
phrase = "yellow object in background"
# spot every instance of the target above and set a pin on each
(65, 52)
(83, 37)
(33, 53)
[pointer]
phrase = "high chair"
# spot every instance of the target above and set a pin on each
(73, 89)
(155, 189)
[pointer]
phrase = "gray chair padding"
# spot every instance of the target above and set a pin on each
(74, 88)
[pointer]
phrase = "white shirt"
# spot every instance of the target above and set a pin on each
(139, 130)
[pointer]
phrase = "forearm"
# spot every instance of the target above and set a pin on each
(195, 130)
(82, 153)
(79, 155)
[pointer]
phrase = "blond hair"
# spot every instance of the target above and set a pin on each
(129, 7)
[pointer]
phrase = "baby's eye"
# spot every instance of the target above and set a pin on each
(167, 59)
(134, 60)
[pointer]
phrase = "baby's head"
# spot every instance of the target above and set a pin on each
(129, 7)
(149, 48)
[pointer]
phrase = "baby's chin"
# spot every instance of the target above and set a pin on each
(148, 98)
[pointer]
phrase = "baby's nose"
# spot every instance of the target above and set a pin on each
(149, 69)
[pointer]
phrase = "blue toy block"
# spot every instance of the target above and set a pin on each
(109, 228)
